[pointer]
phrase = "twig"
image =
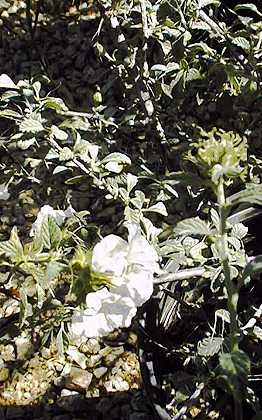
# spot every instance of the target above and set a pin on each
(180, 275)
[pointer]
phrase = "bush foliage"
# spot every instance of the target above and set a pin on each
(159, 129)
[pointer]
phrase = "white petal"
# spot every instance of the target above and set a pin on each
(114, 312)
(90, 326)
(94, 300)
(109, 255)
(120, 313)
(140, 286)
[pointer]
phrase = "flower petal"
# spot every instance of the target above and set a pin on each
(109, 255)
(94, 300)
(90, 326)
(140, 286)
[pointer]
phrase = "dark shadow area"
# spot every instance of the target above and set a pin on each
(131, 405)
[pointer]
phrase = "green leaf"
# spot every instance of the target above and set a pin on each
(53, 269)
(10, 114)
(66, 154)
(239, 231)
(159, 68)
(13, 248)
(131, 181)
(59, 169)
(223, 314)
(234, 368)
(241, 42)
(158, 208)
(167, 89)
(253, 267)
(138, 200)
(248, 6)
(115, 162)
(58, 133)
(25, 144)
(193, 226)
(41, 296)
(6, 82)
(60, 340)
(204, 3)
(50, 234)
(25, 307)
(75, 180)
(54, 103)
(117, 157)
(31, 125)
(209, 346)
(192, 74)
(251, 195)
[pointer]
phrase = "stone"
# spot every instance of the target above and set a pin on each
(24, 347)
(81, 378)
(93, 360)
(4, 374)
(67, 392)
(76, 379)
(100, 371)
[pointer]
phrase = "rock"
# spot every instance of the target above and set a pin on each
(81, 378)
(58, 366)
(77, 356)
(116, 384)
(46, 353)
(77, 379)
(24, 347)
(92, 346)
(4, 374)
(67, 392)
(7, 353)
(100, 371)
(93, 360)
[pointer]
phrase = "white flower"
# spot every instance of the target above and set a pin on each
(132, 265)
(4, 194)
(45, 211)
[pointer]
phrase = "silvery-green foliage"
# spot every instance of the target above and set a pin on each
(140, 154)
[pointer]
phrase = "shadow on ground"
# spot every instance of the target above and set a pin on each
(116, 406)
